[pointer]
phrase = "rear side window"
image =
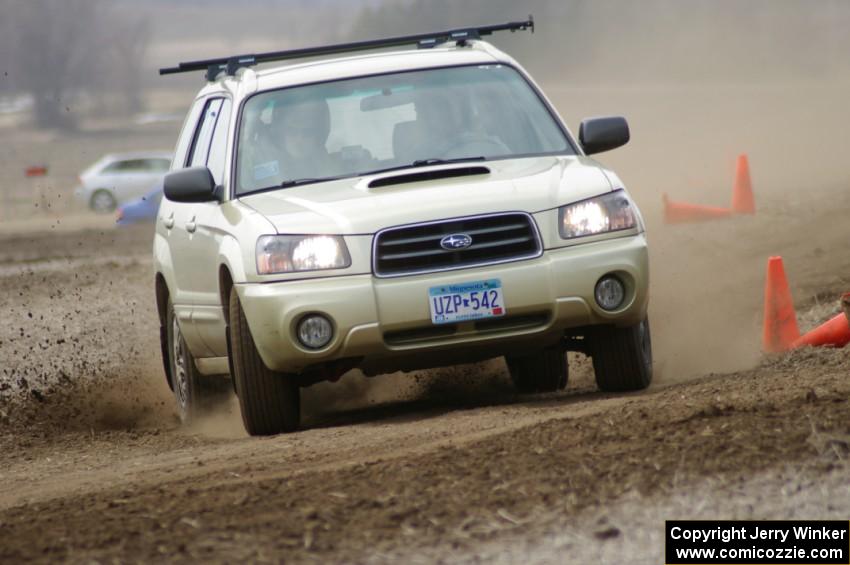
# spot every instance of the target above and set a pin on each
(203, 135)
(187, 134)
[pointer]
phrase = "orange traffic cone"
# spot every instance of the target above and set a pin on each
(834, 333)
(780, 319)
(682, 212)
(743, 201)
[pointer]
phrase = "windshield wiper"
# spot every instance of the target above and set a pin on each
(298, 182)
(290, 183)
(423, 163)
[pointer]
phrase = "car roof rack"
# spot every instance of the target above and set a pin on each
(424, 40)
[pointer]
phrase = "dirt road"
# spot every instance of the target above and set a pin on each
(448, 465)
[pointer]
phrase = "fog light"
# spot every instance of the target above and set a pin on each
(315, 331)
(610, 293)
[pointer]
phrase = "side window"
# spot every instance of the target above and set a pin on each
(187, 134)
(218, 147)
(111, 168)
(128, 166)
(201, 146)
(161, 165)
(136, 166)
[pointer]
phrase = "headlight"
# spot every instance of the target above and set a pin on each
(291, 253)
(606, 213)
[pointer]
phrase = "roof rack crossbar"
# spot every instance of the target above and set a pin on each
(231, 64)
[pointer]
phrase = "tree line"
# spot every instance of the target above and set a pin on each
(63, 52)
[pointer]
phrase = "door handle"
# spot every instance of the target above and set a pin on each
(191, 226)
(169, 221)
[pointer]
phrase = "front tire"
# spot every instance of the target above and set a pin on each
(270, 402)
(544, 371)
(622, 357)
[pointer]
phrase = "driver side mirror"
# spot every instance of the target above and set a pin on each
(603, 134)
(195, 184)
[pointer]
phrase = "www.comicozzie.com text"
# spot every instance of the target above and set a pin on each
(756, 532)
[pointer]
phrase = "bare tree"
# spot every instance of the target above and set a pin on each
(58, 50)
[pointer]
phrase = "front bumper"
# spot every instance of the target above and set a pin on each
(385, 324)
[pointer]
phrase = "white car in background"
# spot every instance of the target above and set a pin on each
(120, 177)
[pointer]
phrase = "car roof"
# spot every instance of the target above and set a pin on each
(249, 81)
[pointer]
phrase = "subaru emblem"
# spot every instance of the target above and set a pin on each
(456, 241)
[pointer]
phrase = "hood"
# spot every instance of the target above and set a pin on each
(349, 206)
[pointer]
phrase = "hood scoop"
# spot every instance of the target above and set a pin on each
(422, 176)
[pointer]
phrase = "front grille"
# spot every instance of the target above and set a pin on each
(496, 238)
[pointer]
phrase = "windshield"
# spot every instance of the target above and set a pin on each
(358, 126)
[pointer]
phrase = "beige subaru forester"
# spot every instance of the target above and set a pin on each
(391, 211)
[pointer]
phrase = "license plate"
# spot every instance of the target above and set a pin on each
(453, 303)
